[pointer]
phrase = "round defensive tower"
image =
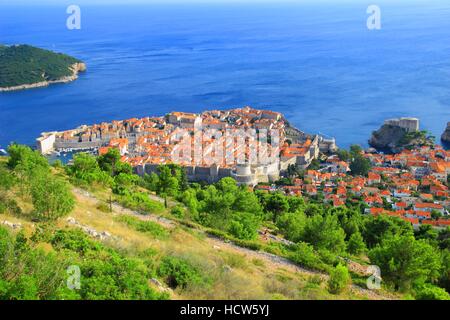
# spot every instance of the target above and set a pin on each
(243, 170)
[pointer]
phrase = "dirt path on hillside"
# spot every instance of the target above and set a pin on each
(219, 244)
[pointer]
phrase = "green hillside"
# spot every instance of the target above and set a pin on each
(24, 64)
(52, 218)
(161, 237)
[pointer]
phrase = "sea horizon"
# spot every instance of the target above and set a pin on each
(318, 65)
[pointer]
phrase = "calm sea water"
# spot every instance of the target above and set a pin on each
(318, 64)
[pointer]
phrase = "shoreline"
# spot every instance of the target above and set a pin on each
(76, 69)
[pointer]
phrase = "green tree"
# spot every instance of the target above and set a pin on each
(178, 272)
(105, 273)
(292, 225)
(356, 244)
(108, 161)
(325, 233)
(7, 180)
(124, 183)
(276, 204)
(27, 159)
(151, 181)
(315, 165)
(355, 149)
(244, 225)
(305, 255)
(436, 215)
(51, 197)
(339, 279)
(247, 201)
(291, 171)
(444, 238)
(180, 174)
(376, 229)
(359, 165)
(189, 199)
(431, 292)
(215, 207)
(85, 168)
(350, 219)
(313, 209)
(27, 273)
(296, 204)
(344, 155)
(178, 211)
(168, 184)
(405, 261)
(427, 232)
(444, 280)
(227, 186)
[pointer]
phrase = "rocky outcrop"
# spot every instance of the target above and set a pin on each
(103, 235)
(446, 135)
(394, 138)
(11, 224)
(160, 286)
(75, 68)
(387, 137)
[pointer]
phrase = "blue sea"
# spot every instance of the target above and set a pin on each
(316, 63)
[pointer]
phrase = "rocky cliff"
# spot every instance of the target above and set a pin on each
(387, 137)
(394, 138)
(446, 135)
(75, 68)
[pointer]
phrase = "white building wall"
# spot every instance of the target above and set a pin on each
(46, 143)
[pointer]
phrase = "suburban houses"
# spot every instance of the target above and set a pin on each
(258, 147)
(411, 185)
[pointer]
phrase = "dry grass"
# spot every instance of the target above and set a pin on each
(233, 274)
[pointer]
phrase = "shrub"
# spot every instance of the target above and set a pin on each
(178, 272)
(148, 227)
(356, 244)
(430, 292)
(258, 262)
(74, 240)
(7, 180)
(85, 170)
(104, 207)
(305, 255)
(23, 158)
(235, 260)
(11, 206)
(328, 257)
(105, 273)
(51, 197)
(141, 202)
(244, 226)
(315, 280)
(405, 261)
(178, 211)
(339, 279)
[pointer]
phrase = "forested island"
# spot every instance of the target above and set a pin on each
(25, 67)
